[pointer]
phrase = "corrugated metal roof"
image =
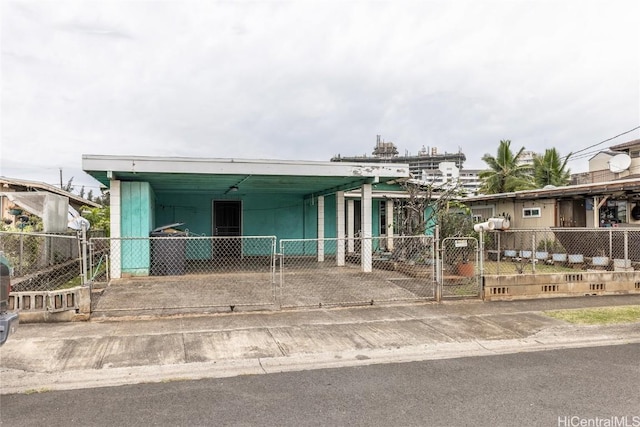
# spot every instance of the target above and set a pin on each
(42, 186)
(625, 186)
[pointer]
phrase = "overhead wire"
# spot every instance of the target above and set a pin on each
(573, 156)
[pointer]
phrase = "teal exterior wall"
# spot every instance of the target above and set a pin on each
(137, 216)
(284, 216)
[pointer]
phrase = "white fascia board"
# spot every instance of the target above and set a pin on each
(142, 164)
(355, 194)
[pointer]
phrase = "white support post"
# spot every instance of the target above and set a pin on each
(340, 228)
(367, 254)
(320, 228)
(390, 230)
(350, 226)
(116, 229)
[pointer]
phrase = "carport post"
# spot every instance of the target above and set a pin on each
(350, 226)
(115, 242)
(366, 255)
(320, 228)
(340, 228)
(390, 230)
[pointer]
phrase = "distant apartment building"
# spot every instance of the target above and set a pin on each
(427, 159)
(527, 157)
(428, 165)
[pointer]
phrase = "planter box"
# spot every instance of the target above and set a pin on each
(576, 259)
(600, 261)
(559, 257)
(622, 265)
(542, 256)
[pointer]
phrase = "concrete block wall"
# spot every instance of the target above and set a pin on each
(527, 286)
(64, 305)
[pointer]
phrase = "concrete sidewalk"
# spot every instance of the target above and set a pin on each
(133, 350)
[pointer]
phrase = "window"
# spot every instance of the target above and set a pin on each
(531, 213)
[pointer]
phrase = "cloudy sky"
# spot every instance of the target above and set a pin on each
(311, 79)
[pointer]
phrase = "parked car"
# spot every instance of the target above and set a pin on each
(8, 320)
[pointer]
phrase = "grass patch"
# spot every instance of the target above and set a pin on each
(509, 267)
(598, 316)
(75, 282)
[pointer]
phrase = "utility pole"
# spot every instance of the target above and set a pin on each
(61, 186)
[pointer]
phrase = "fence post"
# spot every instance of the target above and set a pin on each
(499, 252)
(438, 284)
(83, 236)
(610, 244)
(534, 258)
(21, 255)
(626, 246)
(481, 248)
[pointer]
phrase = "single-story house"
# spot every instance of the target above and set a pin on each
(244, 197)
(602, 204)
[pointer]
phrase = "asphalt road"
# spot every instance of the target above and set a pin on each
(549, 388)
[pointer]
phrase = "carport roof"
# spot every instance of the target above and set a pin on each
(248, 176)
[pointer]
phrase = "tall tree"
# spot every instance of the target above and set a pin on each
(506, 173)
(69, 186)
(549, 169)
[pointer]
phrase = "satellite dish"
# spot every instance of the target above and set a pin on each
(619, 163)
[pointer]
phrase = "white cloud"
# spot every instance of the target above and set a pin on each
(308, 80)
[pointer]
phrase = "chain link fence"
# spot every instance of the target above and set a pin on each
(232, 271)
(318, 272)
(326, 272)
(42, 262)
(555, 250)
(460, 267)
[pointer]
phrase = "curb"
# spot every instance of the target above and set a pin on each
(17, 381)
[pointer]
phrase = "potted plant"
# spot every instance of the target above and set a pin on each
(464, 267)
(601, 260)
(14, 210)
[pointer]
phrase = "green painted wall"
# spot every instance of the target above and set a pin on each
(137, 202)
(283, 216)
(273, 215)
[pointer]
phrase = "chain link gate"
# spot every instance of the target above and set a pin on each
(461, 275)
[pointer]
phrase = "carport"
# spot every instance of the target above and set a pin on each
(237, 198)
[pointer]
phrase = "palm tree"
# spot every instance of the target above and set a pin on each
(506, 172)
(549, 169)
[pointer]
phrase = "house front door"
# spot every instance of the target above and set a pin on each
(227, 223)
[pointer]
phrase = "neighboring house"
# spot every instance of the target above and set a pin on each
(605, 204)
(242, 197)
(620, 161)
(35, 195)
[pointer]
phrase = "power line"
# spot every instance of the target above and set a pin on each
(602, 142)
